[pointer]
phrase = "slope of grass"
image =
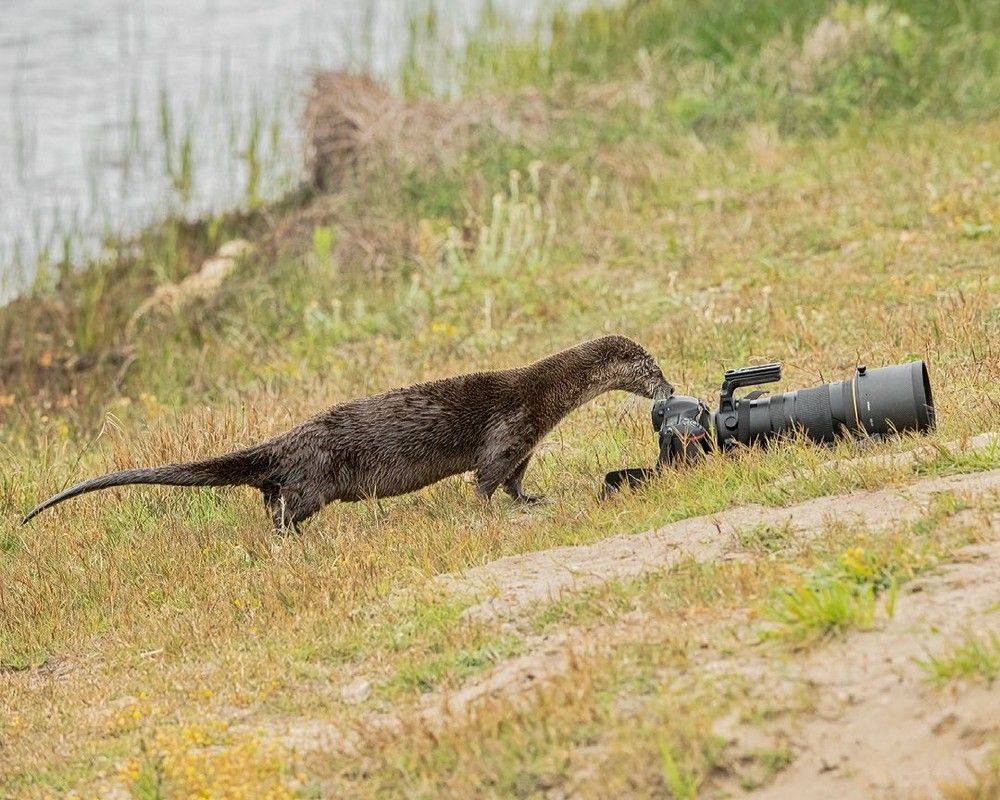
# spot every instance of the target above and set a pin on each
(726, 182)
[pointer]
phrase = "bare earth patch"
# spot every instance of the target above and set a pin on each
(519, 582)
(878, 720)
(880, 730)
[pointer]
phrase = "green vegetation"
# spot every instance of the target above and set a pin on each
(725, 181)
(681, 784)
(824, 604)
(841, 593)
(977, 656)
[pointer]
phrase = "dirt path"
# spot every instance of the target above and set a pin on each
(870, 688)
(880, 731)
(523, 581)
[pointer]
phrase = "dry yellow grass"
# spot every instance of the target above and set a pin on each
(176, 593)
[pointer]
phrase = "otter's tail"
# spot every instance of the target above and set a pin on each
(233, 469)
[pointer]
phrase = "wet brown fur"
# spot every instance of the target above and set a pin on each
(404, 439)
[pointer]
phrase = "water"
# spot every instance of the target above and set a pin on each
(114, 113)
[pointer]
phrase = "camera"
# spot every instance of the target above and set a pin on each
(874, 402)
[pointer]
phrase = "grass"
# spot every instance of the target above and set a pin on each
(984, 784)
(589, 704)
(821, 606)
(977, 657)
(681, 784)
(765, 538)
(841, 594)
(629, 708)
(648, 169)
(771, 761)
(209, 760)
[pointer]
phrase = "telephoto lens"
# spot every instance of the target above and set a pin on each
(876, 402)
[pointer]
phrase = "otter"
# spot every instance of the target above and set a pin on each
(405, 439)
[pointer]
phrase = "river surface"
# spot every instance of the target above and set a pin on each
(115, 113)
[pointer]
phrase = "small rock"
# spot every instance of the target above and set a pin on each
(214, 270)
(945, 724)
(357, 691)
(235, 248)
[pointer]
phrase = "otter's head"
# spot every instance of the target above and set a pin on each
(626, 365)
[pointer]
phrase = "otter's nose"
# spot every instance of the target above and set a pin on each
(663, 392)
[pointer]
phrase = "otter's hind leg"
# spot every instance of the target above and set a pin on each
(288, 507)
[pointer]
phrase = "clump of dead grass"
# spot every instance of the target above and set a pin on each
(353, 125)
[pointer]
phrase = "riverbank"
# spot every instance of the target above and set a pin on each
(726, 184)
(571, 126)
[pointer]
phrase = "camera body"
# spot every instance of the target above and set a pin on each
(684, 426)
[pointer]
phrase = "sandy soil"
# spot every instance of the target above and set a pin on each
(878, 731)
(523, 581)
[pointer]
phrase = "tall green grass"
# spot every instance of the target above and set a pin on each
(714, 64)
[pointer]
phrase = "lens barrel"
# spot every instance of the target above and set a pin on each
(879, 401)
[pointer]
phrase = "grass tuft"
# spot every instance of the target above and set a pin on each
(977, 657)
(682, 784)
(822, 605)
